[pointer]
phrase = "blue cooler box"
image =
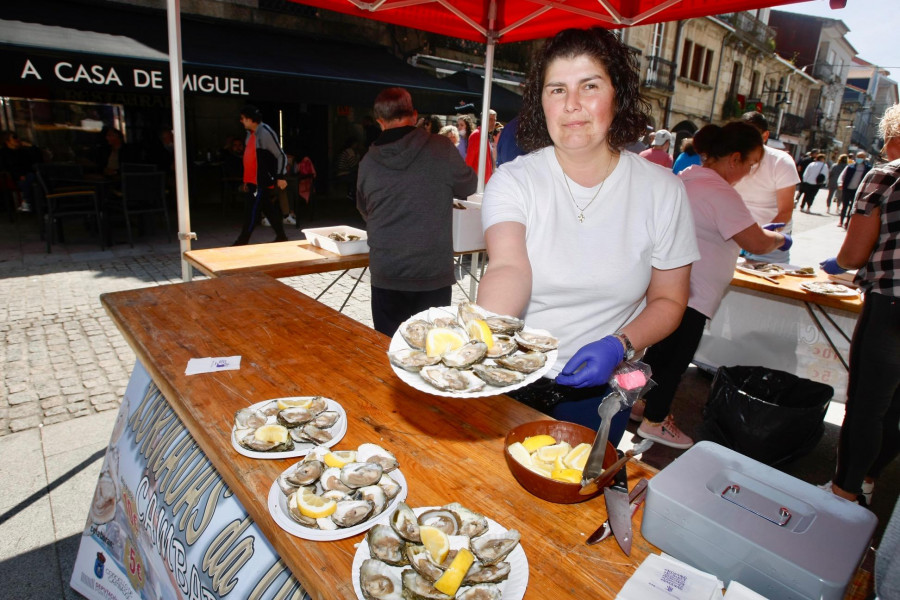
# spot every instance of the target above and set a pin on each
(739, 519)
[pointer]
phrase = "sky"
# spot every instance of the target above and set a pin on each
(873, 25)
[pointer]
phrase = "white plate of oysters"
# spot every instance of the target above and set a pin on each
(288, 427)
(332, 495)
(500, 570)
(516, 356)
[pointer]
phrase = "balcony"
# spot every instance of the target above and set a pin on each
(658, 74)
(793, 124)
(826, 72)
(751, 29)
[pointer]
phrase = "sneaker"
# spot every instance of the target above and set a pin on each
(637, 411)
(867, 489)
(827, 487)
(24, 207)
(665, 433)
(290, 220)
(265, 222)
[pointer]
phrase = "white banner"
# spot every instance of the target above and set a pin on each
(163, 524)
(757, 329)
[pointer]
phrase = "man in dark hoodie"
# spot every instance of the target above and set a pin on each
(407, 182)
(265, 165)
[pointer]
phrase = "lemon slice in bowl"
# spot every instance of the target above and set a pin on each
(478, 330)
(436, 542)
(441, 340)
(518, 452)
(567, 475)
(577, 458)
(339, 458)
(553, 451)
(311, 505)
(538, 441)
(284, 403)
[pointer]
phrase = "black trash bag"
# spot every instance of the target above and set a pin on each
(771, 416)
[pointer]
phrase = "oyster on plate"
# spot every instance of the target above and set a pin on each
(357, 474)
(373, 453)
(472, 524)
(331, 481)
(490, 549)
(390, 486)
(415, 332)
(482, 591)
(504, 324)
(416, 587)
(412, 359)
(326, 419)
(302, 473)
(537, 340)
(451, 380)
(374, 494)
(294, 416)
(441, 518)
(466, 355)
(479, 573)
(504, 345)
(418, 558)
(379, 582)
(467, 312)
(351, 512)
(498, 376)
(249, 418)
(310, 433)
(268, 438)
(524, 363)
(404, 522)
(386, 545)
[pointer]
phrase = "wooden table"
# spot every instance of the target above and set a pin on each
(449, 450)
(788, 286)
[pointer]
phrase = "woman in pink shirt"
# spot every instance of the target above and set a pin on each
(723, 226)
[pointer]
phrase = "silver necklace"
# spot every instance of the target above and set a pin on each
(581, 210)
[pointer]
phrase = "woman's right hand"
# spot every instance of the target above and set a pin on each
(593, 364)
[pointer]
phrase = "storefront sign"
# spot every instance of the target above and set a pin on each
(96, 74)
(163, 524)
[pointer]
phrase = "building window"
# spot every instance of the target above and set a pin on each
(696, 62)
(736, 73)
(754, 85)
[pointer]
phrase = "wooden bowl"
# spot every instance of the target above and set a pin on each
(560, 492)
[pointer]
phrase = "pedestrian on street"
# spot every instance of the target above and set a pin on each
(870, 439)
(473, 147)
(265, 165)
(833, 175)
(848, 183)
(658, 152)
(405, 190)
(814, 177)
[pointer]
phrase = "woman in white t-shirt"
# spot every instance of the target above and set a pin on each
(724, 225)
(586, 240)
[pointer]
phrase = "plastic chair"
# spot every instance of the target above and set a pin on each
(63, 194)
(142, 193)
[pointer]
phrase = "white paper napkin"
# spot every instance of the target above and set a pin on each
(211, 364)
(665, 578)
(738, 591)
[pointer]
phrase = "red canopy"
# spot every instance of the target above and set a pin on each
(517, 20)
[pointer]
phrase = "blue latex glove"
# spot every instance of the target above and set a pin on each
(831, 266)
(788, 242)
(773, 226)
(599, 359)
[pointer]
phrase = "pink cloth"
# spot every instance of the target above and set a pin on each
(304, 169)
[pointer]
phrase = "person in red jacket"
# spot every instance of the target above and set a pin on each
(474, 146)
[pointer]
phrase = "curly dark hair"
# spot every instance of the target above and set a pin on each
(632, 110)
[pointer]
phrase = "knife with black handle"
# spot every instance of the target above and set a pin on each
(636, 497)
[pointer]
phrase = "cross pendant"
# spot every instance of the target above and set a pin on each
(581, 217)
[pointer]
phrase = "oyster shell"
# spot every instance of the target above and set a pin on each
(416, 587)
(417, 557)
(479, 573)
(415, 332)
(268, 438)
(336, 495)
(451, 380)
(466, 355)
(504, 324)
(524, 363)
(467, 312)
(331, 481)
(447, 322)
(472, 524)
(412, 359)
(378, 581)
(373, 453)
(296, 515)
(326, 524)
(404, 522)
(482, 591)
(385, 545)
(357, 474)
(249, 418)
(351, 512)
(441, 518)
(537, 340)
(390, 486)
(270, 409)
(303, 473)
(375, 495)
(503, 346)
(498, 376)
(490, 549)
(326, 419)
(294, 416)
(314, 434)
(317, 405)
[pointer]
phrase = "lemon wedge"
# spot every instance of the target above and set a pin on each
(541, 468)
(569, 475)
(441, 340)
(577, 458)
(559, 464)
(436, 542)
(284, 403)
(339, 458)
(312, 506)
(450, 581)
(538, 441)
(518, 452)
(276, 434)
(552, 452)
(479, 330)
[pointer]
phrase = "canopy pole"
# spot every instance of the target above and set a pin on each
(185, 235)
(491, 42)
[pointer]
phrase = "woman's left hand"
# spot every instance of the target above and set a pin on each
(599, 359)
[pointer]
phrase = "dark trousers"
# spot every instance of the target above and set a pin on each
(846, 204)
(265, 201)
(668, 361)
(869, 438)
(392, 307)
(809, 194)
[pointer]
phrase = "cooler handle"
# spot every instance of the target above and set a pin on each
(756, 504)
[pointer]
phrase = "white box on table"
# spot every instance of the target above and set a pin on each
(319, 237)
(467, 234)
